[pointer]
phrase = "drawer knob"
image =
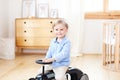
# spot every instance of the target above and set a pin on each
(24, 22)
(25, 31)
(25, 40)
(51, 22)
(51, 31)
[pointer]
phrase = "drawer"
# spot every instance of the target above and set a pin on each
(22, 22)
(30, 41)
(34, 22)
(34, 32)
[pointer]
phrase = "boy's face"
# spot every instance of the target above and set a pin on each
(60, 30)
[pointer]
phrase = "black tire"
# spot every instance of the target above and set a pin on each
(32, 79)
(68, 77)
(84, 77)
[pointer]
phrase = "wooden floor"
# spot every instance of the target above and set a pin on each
(24, 67)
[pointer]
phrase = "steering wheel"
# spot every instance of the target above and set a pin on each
(41, 62)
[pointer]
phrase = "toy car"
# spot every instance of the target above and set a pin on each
(71, 74)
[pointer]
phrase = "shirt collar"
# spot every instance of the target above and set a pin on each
(55, 40)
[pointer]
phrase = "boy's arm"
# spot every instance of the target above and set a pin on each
(49, 52)
(48, 60)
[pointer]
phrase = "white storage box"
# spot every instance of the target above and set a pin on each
(7, 48)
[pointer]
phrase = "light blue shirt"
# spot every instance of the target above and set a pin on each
(60, 51)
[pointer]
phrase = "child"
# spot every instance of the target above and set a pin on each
(59, 50)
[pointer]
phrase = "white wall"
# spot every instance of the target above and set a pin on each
(14, 9)
(93, 36)
(3, 18)
(76, 19)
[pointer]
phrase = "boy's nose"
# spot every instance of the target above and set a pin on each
(58, 31)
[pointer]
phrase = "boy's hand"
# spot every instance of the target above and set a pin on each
(48, 60)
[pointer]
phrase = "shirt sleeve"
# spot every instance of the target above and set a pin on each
(49, 52)
(64, 53)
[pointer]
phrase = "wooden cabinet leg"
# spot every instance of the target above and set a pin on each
(18, 52)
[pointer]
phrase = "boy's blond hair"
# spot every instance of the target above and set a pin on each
(61, 21)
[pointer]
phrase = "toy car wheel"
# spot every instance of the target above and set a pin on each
(84, 77)
(32, 79)
(68, 77)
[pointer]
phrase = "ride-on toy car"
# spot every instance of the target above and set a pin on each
(71, 74)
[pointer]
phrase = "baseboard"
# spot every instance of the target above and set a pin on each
(93, 53)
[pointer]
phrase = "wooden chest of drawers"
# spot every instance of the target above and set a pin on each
(33, 32)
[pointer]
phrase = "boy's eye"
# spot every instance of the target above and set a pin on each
(61, 29)
(56, 29)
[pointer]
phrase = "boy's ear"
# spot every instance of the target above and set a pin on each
(66, 30)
